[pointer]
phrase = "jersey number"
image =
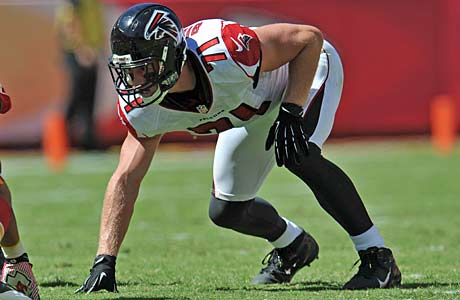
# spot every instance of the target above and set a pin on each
(206, 59)
(243, 112)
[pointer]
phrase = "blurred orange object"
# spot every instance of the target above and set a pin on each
(55, 142)
(443, 125)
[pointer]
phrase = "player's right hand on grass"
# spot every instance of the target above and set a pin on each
(101, 276)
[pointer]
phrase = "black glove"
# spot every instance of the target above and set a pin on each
(287, 133)
(101, 276)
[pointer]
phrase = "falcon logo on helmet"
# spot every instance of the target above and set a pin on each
(159, 25)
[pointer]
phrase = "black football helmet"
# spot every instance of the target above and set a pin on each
(146, 39)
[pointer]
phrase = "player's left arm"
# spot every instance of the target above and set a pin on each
(298, 45)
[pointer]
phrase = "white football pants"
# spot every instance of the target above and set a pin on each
(241, 163)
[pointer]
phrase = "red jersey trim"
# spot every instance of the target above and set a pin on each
(125, 121)
(243, 46)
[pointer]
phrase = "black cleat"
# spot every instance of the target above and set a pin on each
(378, 269)
(283, 263)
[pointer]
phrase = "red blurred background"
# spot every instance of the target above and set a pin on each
(398, 55)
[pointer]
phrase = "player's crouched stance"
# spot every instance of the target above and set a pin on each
(17, 270)
(217, 76)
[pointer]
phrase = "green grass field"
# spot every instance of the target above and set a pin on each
(173, 251)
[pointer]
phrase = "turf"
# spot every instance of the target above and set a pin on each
(173, 251)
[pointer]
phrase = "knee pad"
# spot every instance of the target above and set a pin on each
(5, 215)
(227, 214)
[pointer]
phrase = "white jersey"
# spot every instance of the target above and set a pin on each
(229, 98)
(230, 91)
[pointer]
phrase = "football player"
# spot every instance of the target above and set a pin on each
(17, 270)
(271, 93)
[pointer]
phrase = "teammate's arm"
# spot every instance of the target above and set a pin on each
(298, 45)
(5, 101)
(121, 194)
